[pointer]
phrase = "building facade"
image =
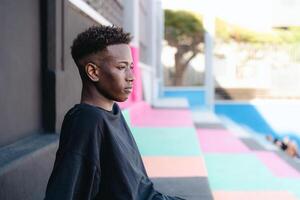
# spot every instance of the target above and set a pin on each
(39, 81)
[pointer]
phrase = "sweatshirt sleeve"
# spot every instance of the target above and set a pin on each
(73, 177)
(76, 173)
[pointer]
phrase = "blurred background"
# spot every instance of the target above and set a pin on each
(256, 47)
(214, 78)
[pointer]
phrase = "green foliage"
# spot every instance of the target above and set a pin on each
(222, 29)
(183, 28)
(228, 32)
(289, 35)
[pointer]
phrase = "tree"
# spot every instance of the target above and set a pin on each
(184, 31)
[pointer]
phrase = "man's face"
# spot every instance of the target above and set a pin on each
(116, 77)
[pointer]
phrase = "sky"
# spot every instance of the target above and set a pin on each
(258, 15)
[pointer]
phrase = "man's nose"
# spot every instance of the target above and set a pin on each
(130, 75)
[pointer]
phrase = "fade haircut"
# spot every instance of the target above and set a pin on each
(96, 39)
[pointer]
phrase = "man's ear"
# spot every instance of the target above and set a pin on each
(92, 71)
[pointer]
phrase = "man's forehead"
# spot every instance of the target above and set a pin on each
(120, 51)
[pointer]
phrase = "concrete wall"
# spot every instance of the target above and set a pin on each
(26, 166)
(68, 83)
(112, 9)
(20, 70)
(39, 82)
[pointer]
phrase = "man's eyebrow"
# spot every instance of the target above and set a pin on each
(125, 62)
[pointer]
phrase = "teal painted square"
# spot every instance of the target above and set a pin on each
(245, 172)
(238, 172)
(127, 117)
(297, 193)
(167, 141)
(290, 184)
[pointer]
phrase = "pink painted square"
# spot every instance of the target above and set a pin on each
(142, 115)
(220, 141)
(175, 166)
(276, 165)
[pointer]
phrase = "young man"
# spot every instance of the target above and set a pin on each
(97, 156)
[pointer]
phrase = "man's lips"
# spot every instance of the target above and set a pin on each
(128, 89)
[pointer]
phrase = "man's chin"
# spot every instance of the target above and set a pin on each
(123, 99)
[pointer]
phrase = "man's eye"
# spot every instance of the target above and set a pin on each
(121, 67)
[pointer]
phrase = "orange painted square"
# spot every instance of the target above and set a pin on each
(253, 195)
(175, 166)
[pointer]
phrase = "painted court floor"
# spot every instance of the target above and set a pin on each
(209, 161)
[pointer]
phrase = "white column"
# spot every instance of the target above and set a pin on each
(131, 20)
(152, 47)
(209, 26)
(159, 41)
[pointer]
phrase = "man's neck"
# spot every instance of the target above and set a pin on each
(91, 96)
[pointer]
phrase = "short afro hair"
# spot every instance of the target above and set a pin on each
(97, 38)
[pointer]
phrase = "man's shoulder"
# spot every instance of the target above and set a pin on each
(85, 112)
(82, 120)
(81, 130)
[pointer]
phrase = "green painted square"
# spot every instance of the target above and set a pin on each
(238, 172)
(167, 141)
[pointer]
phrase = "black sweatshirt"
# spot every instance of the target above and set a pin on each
(98, 158)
